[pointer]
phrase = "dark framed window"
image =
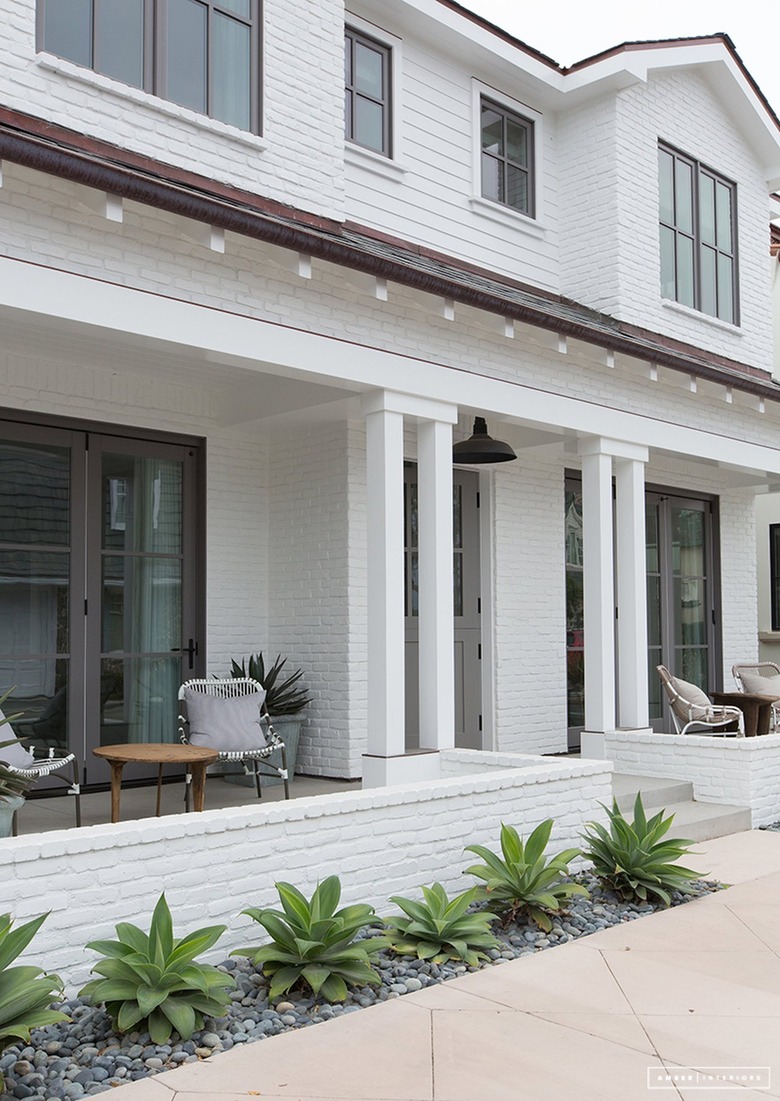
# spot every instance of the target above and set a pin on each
(698, 220)
(507, 157)
(202, 54)
(774, 573)
(367, 92)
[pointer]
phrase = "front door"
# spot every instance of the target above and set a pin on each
(466, 608)
(98, 568)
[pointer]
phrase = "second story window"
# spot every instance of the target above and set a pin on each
(202, 54)
(506, 157)
(698, 235)
(366, 92)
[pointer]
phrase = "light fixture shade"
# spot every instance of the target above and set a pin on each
(480, 448)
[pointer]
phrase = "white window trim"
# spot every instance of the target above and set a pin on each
(395, 46)
(165, 107)
(699, 315)
(356, 156)
(478, 92)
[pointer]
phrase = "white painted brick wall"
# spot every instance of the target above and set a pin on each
(735, 771)
(299, 160)
(212, 865)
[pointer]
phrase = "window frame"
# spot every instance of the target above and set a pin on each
(155, 74)
(530, 168)
(774, 574)
(699, 170)
(353, 34)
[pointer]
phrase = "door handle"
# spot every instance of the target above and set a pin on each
(191, 650)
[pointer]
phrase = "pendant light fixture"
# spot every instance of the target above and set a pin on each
(480, 448)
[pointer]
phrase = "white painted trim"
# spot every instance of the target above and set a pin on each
(478, 90)
(506, 216)
(618, 449)
(357, 157)
(698, 315)
(107, 307)
(409, 406)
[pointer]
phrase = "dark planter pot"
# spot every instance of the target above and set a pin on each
(288, 727)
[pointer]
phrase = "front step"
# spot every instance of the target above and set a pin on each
(692, 819)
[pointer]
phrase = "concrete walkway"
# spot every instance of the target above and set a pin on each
(696, 986)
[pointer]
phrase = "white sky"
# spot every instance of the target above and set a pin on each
(569, 30)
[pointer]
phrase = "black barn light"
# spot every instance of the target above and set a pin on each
(480, 448)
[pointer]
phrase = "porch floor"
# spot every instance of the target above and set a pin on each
(50, 813)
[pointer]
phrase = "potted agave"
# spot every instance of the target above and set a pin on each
(13, 787)
(285, 700)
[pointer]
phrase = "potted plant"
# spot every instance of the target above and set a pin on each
(285, 700)
(13, 787)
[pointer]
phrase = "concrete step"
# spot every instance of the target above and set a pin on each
(692, 819)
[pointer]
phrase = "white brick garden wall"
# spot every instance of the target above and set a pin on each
(212, 865)
(736, 771)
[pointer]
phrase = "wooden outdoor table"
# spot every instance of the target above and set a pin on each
(160, 753)
(756, 709)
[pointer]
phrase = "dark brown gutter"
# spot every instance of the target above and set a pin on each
(407, 265)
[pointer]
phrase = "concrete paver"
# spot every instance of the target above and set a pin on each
(697, 986)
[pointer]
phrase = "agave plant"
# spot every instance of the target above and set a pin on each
(26, 993)
(282, 697)
(635, 859)
(154, 978)
(314, 943)
(438, 928)
(524, 882)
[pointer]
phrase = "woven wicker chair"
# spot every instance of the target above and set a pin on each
(231, 716)
(22, 762)
(691, 708)
(760, 678)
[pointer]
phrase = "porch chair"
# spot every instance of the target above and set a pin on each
(231, 716)
(760, 678)
(691, 708)
(23, 763)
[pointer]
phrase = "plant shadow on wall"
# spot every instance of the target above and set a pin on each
(286, 700)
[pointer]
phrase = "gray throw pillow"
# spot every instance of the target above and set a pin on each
(691, 693)
(761, 686)
(14, 754)
(228, 725)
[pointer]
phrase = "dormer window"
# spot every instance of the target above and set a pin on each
(698, 235)
(201, 54)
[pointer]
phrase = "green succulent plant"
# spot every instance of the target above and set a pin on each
(26, 993)
(635, 859)
(281, 696)
(314, 943)
(153, 979)
(438, 928)
(524, 882)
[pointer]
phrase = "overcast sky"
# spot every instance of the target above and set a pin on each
(569, 30)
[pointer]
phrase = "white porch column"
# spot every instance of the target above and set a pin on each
(633, 704)
(437, 636)
(387, 761)
(598, 594)
(385, 517)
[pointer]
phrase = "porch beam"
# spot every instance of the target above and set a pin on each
(437, 636)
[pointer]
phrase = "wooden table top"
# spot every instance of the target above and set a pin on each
(162, 753)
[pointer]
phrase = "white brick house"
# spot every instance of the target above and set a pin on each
(234, 350)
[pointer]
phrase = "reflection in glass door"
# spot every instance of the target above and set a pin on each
(99, 605)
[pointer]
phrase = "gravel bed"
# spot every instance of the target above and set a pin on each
(84, 1056)
(774, 827)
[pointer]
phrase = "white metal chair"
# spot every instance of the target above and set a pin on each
(691, 708)
(231, 716)
(759, 678)
(22, 762)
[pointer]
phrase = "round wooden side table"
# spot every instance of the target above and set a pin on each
(160, 753)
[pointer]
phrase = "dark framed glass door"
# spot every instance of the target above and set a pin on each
(100, 598)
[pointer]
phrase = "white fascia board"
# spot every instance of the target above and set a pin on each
(217, 335)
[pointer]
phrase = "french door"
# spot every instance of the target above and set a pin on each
(99, 589)
(466, 608)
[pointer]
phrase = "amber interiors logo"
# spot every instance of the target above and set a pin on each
(708, 1078)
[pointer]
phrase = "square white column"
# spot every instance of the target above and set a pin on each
(598, 591)
(436, 628)
(385, 517)
(633, 703)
